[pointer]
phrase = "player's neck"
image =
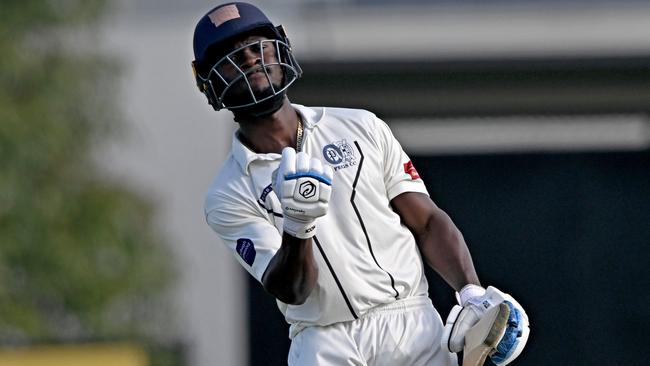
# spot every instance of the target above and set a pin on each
(272, 133)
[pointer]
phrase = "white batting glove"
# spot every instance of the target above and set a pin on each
(476, 301)
(304, 186)
(464, 316)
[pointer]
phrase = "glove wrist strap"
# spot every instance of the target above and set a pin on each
(468, 292)
(299, 228)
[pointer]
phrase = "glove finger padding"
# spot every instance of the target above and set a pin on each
(302, 163)
(516, 335)
(288, 163)
(463, 317)
(459, 321)
(453, 343)
(303, 185)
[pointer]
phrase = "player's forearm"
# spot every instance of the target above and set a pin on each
(445, 250)
(292, 273)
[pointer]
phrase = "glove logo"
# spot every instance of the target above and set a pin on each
(307, 189)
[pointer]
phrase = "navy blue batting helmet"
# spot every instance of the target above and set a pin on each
(214, 51)
(227, 21)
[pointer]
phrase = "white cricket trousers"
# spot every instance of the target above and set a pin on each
(404, 333)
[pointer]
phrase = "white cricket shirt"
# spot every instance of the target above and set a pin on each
(365, 256)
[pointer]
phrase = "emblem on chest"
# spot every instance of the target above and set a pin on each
(340, 154)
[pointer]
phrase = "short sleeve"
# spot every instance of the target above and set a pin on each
(251, 238)
(400, 174)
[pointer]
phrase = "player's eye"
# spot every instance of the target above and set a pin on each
(252, 47)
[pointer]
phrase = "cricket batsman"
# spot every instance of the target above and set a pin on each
(323, 207)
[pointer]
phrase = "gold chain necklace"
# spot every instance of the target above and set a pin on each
(299, 132)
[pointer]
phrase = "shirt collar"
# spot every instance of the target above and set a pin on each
(245, 156)
(309, 115)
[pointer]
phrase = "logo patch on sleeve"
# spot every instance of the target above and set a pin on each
(410, 170)
(246, 250)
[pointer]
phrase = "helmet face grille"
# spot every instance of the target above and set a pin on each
(251, 74)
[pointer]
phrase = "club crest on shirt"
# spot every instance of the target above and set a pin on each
(339, 154)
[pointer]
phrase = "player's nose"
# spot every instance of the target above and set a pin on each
(248, 57)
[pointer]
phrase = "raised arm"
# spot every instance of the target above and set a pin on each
(440, 241)
(292, 272)
(303, 186)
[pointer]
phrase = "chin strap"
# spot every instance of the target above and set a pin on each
(260, 110)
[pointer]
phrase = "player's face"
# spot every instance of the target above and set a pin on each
(256, 57)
